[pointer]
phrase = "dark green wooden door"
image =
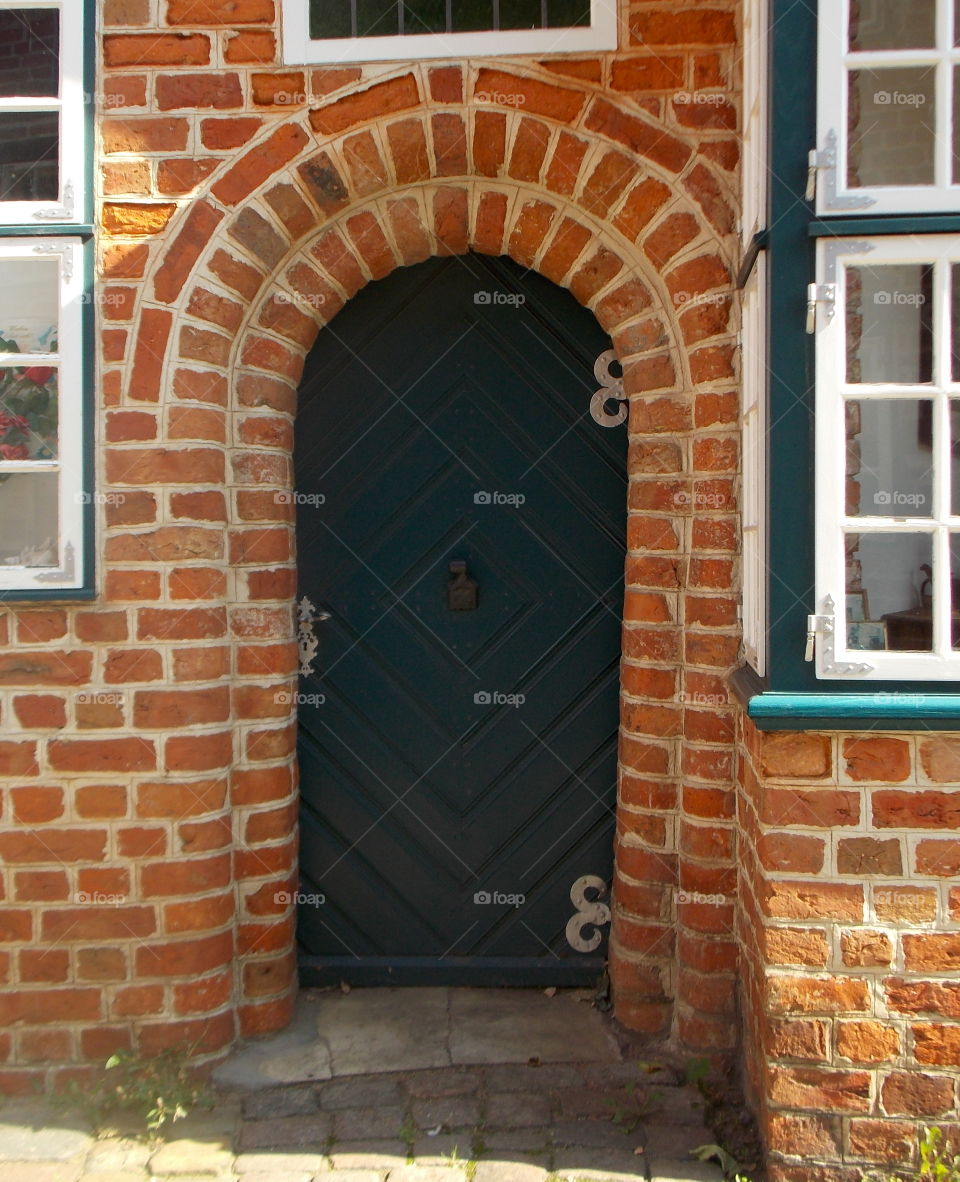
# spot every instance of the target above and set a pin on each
(458, 767)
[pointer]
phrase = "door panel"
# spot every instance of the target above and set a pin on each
(435, 426)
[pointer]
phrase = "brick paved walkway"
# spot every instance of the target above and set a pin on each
(481, 1123)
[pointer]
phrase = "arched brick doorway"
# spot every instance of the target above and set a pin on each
(223, 354)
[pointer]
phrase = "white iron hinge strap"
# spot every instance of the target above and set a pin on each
(818, 294)
(814, 625)
(817, 161)
(825, 625)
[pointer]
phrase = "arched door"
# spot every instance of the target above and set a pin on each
(461, 517)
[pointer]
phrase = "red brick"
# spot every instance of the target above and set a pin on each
(641, 138)
(284, 90)
(36, 805)
(40, 711)
(250, 47)
(220, 12)
(221, 135)
(182, 254)
(147, 134)
(867, 1042)
(376, 101)
(198, 91)
(260, 163)
(916, 810)
(101, 755)
(531, 95)
(199, 752)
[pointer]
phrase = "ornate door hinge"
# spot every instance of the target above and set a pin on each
(611, 391)
(591, 913)
(307, 639)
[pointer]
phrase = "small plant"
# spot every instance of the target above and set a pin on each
(408, 1135)
(938, 1161)
(727, 1162)
(159, 1089)
(697, 1071)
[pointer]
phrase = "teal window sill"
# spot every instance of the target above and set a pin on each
(885, 708)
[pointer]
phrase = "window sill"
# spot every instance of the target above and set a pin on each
(886, 709)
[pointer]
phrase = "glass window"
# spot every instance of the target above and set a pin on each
(44, 507)
(376, 30)
(42, 108)
(888, 106)
(888, 523)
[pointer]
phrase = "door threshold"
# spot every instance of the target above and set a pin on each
(487, 972)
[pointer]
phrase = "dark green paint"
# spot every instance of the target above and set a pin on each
(415, 399)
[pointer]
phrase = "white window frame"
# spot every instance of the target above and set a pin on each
(834, 658)
(754, 141)
(299, 49)
(70, 206)
(753, 425)
(69, 573)
(830, 161)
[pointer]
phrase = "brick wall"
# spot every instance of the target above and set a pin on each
(149, 737)
(848, 927)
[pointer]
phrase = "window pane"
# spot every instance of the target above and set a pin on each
(424, 16)
(520, 14)
(889, 592)
(892, 24)
(889, 324)
(29, 519)
(470, 16)
(329, 18)
(955, 456)
(29, 413)
(955, 589)
(955, 146)
(28, 155)
(29, 306)
(955, 320)
(568, 14)
(890, 461)
(377, 18)
(891, 127)
(29, 52)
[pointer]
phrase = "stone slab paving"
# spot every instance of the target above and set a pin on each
(476, 1122)
(338, 1034)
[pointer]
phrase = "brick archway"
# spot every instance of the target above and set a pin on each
(628, 219)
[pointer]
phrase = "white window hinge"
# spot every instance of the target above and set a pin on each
(817, 294)
(816, 624)
(817, 161)
(825, 626)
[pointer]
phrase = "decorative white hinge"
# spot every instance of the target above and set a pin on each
(43, 555)
(60, 213)
(818, 294)
(612, 391)
(64, 250)
(307, 639)
(822, 171)
(817, 161)
(824, 626)
(591, 913)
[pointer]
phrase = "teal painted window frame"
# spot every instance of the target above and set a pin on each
(83, 230)
(790, 696)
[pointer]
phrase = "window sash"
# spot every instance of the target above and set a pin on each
(833, 390)
(833, 193)
(69, 463)
(71, 206)
(755, 115)
(299, 49)
(753, 425)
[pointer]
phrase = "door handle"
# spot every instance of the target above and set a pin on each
(462, 591)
